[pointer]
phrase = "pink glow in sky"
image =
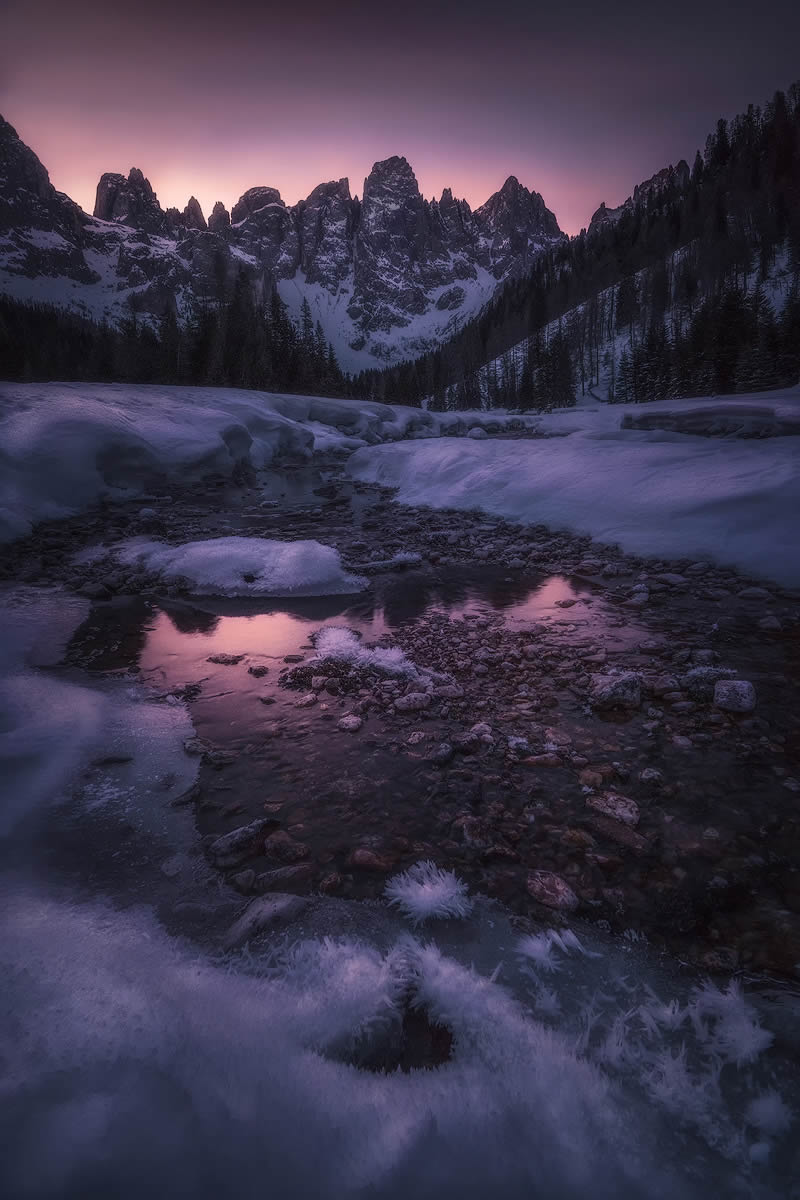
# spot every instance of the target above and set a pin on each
(210, 99)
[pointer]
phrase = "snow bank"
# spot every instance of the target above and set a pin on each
(425, 891)
(62, 445)
(241, 566)
(654, 492)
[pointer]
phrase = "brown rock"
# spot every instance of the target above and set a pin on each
(552, 891)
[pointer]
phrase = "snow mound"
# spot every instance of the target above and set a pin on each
(425, 891)
(653, 492)
(242, 566)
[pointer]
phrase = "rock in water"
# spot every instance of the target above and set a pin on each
(275, 908)
(552, 891)
(735, 696)
(617, 691)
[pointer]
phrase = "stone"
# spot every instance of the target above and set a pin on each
(350, 724)
(225, 660)
(281, 877)
(753, 593)
(265, 913)
(542, 760)
(735, 696)
(232, 848)
(413, 702)
(258, 671)
(617, 691)
(701, 682)
(552, 891)
(281, 845)
(441, 754)
(620, 808)
(368, 860)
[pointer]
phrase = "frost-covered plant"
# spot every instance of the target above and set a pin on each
(342, 644)
(425, 891)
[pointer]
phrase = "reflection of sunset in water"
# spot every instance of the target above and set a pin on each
(271, 635)
(185, 638)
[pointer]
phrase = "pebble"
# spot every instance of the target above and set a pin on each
(350, 724)
(617, 691)
(552, 891)
(273, 909)
(368, 860)
(735, 696)
(232, 848)
(612, 804)
(413, 702)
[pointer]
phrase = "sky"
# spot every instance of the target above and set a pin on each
(580, 100)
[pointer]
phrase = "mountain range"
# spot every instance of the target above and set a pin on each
(388, 275)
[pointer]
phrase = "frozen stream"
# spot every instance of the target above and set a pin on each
(142, 1055)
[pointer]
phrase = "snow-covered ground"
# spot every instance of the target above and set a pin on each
(655, 492)
(63, 445)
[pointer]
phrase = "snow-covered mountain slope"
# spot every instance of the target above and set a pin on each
(388, 276)
(628, 475)
(598, 341)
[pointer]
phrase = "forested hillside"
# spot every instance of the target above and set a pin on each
(239, 343)
(691, 287)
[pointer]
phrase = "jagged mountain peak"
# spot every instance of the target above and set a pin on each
(220, 217)
(130, 201)
(393, 174)
(252, 201)
(193, 215)
(335, 188)
(388, 275)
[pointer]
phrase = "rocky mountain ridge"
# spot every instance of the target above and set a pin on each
(676, 177)
(387, 275)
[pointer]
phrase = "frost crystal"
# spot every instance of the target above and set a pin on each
(425, 891)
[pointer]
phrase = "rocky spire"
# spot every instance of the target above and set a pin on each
(130, 201)
(193, 215)
(220, 218)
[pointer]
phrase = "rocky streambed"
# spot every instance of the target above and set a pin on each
(575, 731)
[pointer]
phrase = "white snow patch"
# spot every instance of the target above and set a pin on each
(242, 566)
